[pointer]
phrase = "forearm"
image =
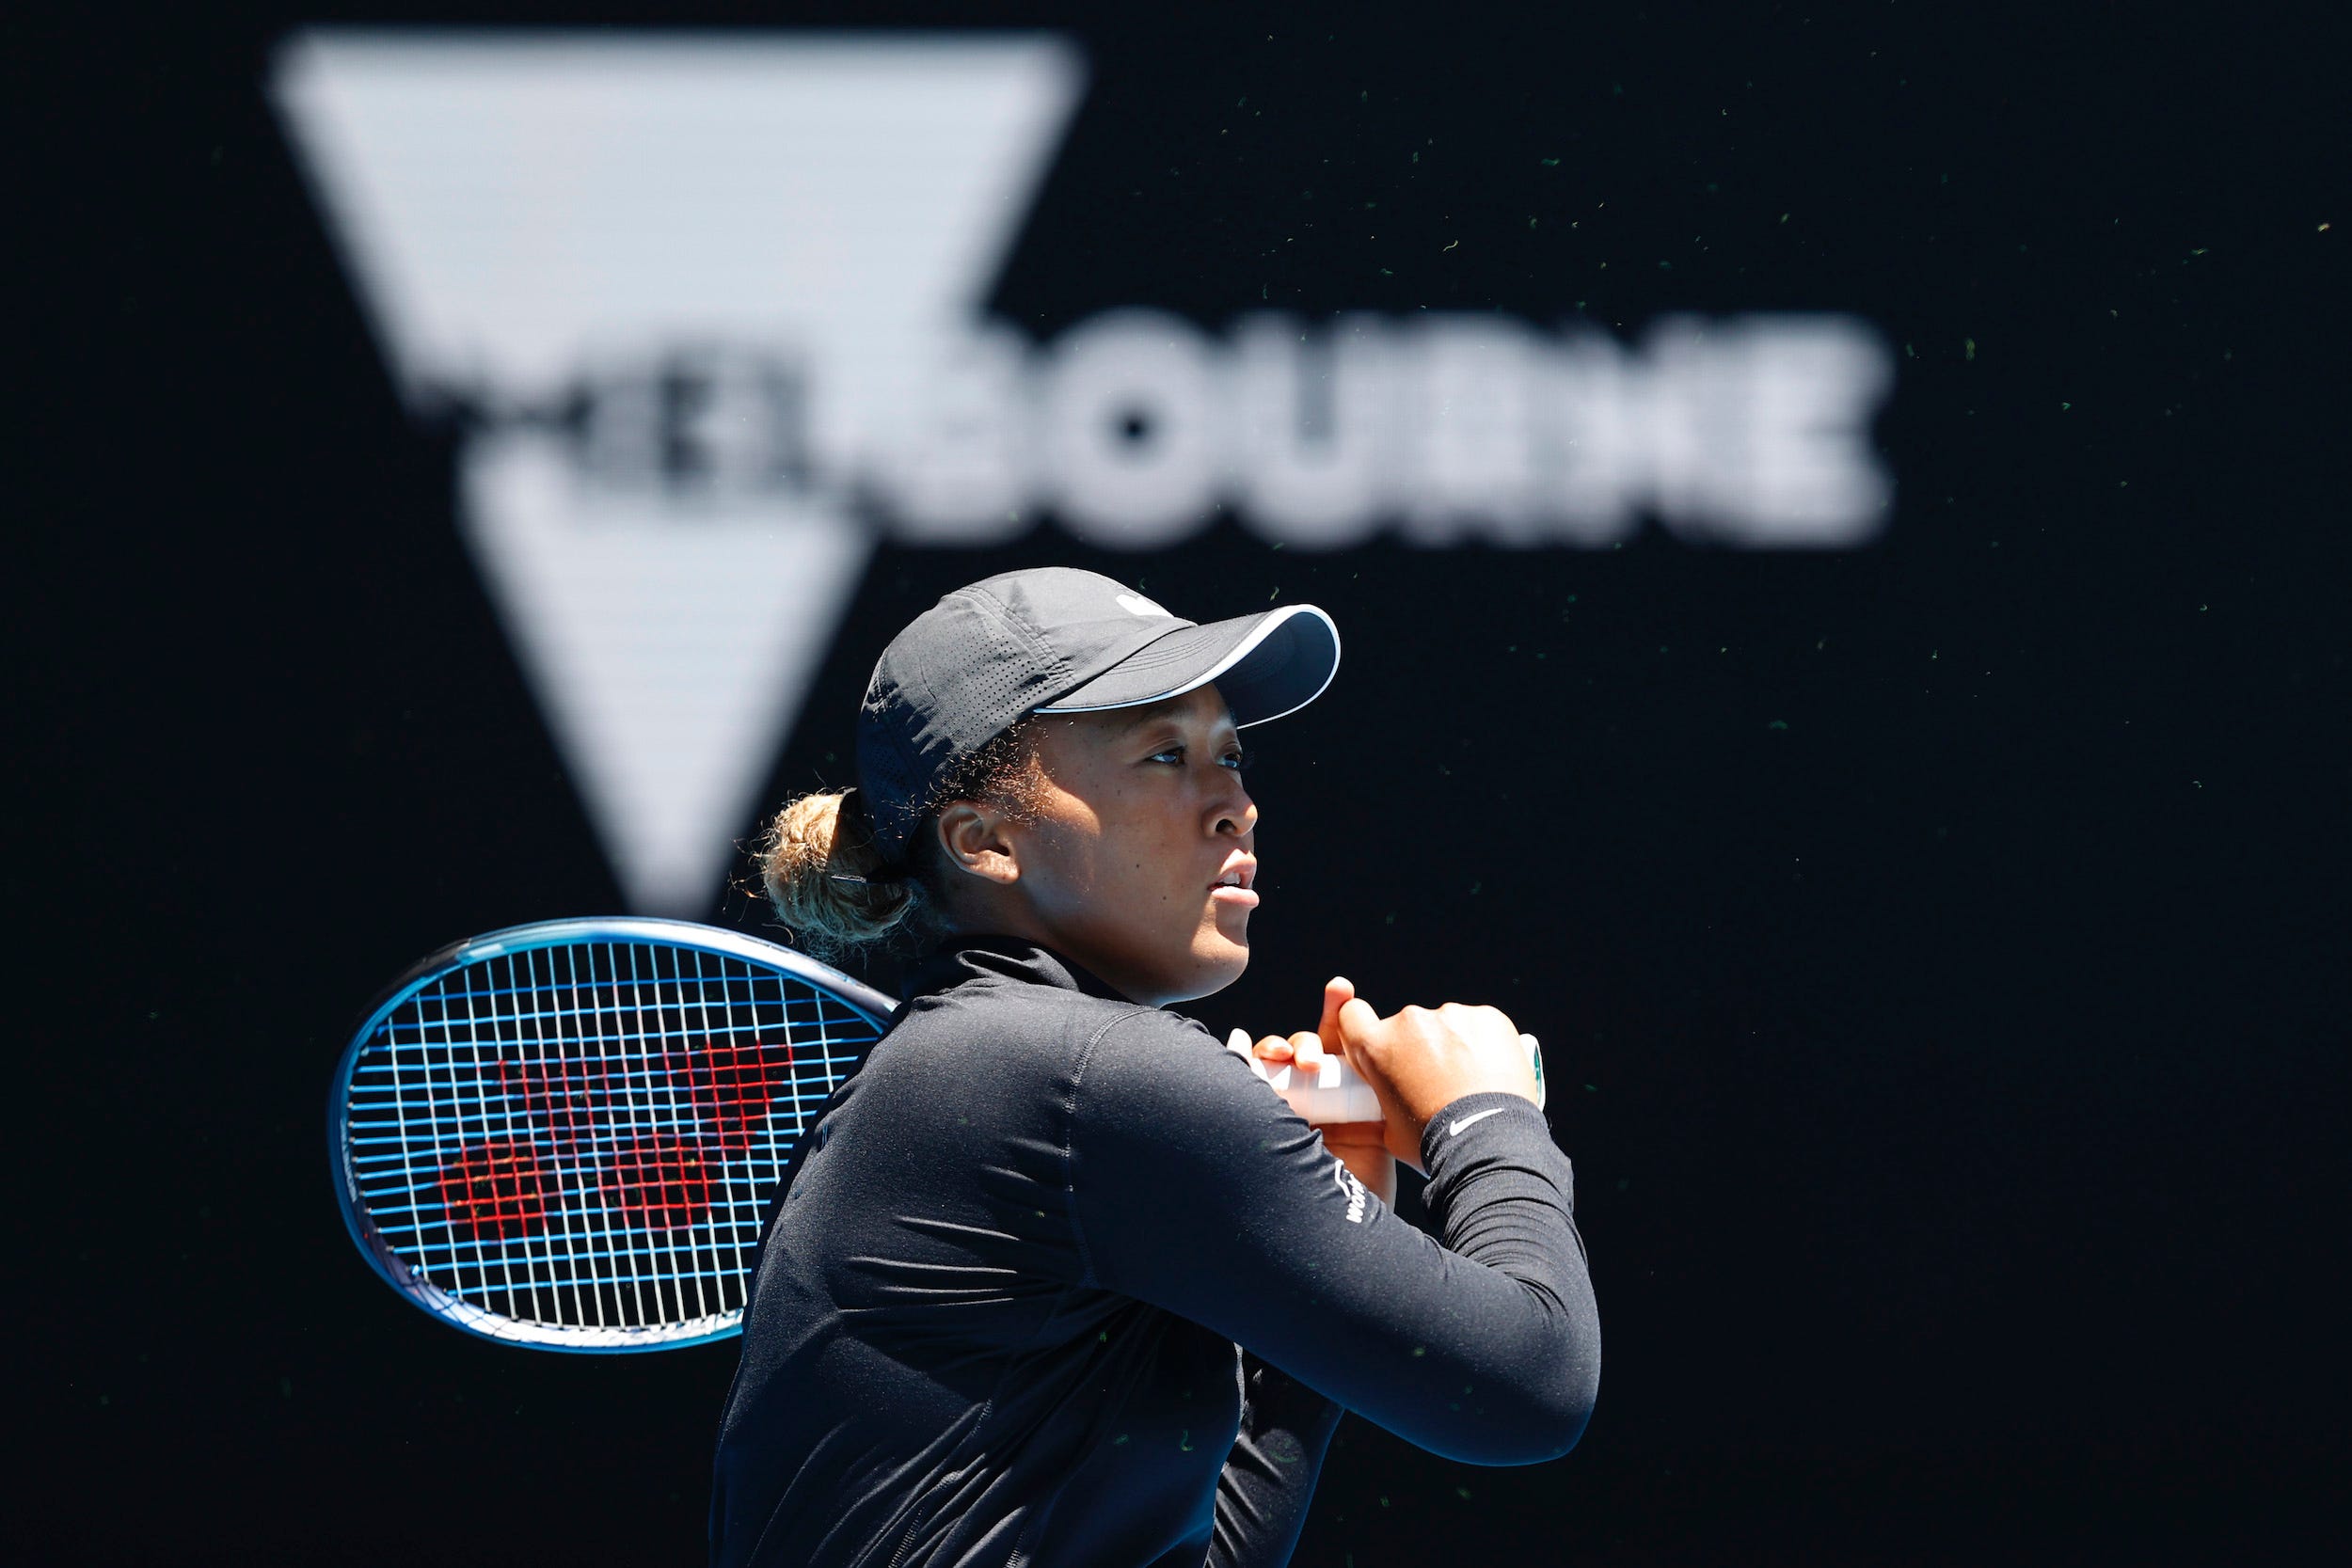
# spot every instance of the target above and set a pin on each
(1506, 1202)
(1269, 1480)
(1477, 1341)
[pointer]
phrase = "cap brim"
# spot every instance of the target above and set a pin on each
(1263, 666)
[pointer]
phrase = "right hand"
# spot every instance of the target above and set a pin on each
(1360, 1146)
(1422, 1059)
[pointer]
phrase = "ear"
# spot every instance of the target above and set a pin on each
(974, 836)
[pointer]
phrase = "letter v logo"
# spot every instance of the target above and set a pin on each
(675, 287)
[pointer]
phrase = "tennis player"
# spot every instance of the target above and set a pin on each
(1055, 1278)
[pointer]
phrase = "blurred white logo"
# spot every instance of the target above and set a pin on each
(1355, 1191)
(1465, 1121)
(1136, 604)
(709, 313)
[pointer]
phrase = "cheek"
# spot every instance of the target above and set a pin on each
(1075, 865)
(1135, 872)
(1059, 869)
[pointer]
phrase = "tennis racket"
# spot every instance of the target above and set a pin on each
(566, 1135)
(1334, 1090)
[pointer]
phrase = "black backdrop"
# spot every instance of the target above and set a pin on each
(1939, 946)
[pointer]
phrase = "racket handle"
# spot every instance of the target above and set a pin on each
(1337, 1092)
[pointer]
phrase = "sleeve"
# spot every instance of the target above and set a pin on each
(1196, 1188)
(1269, 1480)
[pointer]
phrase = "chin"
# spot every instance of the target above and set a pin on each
(1215, 965)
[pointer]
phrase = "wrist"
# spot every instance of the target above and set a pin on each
(1473, 1110)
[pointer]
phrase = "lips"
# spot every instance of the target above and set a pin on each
(1233, 884)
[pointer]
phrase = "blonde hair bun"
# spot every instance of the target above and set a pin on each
(813, 848)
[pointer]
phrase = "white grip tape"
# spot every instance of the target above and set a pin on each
(1335, 1091)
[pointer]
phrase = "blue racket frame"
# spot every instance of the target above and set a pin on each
(862, 1000)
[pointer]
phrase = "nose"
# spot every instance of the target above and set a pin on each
(1236, 813)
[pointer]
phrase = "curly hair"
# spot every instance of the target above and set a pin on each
(829, 883)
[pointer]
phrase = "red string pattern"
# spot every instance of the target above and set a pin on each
(731, 1086)
(495, 1192)
(566, 1096)
(657, 1183)
(660, 1181)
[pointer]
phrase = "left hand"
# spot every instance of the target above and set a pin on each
(1360, 1146)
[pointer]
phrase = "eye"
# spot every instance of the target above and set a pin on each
(1235, 756)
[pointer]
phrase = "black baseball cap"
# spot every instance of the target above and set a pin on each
(1056, 640)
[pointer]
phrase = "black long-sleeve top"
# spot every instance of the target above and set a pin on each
(1056, 1279)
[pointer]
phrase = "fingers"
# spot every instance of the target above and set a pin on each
(1336, 993)
(1307, 1048)
(1478, 1022)
(1304, 1049)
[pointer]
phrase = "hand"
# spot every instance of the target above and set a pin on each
(1421, 1060)
(1362, 1147)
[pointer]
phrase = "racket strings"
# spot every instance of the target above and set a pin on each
(585, 1136)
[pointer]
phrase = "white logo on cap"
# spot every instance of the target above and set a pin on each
(1136, 604)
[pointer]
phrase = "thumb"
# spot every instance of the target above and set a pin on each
(1336, 993)
(1356, 1018)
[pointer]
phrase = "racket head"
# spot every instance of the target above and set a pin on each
(565, 1134)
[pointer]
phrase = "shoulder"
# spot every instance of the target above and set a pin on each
(1014, 1033)
(986, 1009)
(1116, 1067)
(1161, 1071)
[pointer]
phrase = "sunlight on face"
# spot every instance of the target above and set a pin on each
(1142, 815)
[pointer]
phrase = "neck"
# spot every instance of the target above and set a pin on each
(1011, 918)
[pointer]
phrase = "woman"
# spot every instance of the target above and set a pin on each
(1056, 1279)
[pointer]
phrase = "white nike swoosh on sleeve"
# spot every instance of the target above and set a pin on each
(1479, 1117)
